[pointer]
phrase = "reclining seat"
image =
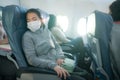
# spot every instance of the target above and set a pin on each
(99, 47)
(15, 25)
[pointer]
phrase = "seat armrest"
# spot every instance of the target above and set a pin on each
(67, 45)
(34, 70)
(69, 55)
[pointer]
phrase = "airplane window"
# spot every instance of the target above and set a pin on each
(63, 22)
(91, 24)
(81, 27)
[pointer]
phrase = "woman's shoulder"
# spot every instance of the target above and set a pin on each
(27, 33)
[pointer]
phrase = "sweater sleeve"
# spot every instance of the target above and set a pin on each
(32, 58)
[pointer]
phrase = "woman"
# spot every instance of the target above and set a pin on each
(61, 37)
(56, 30)
(40, 47)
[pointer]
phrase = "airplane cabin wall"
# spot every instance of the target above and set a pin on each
(73, 9)
(4, 3)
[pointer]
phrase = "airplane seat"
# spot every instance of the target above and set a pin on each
(15, 25)
(98, 44)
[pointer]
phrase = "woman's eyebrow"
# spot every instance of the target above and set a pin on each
(34, 18)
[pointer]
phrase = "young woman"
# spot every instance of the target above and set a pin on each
(40, 47)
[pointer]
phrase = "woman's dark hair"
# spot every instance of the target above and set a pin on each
(52, 21)
(36, 11)
(115, 10)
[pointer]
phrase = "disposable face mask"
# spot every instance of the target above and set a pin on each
(34, 25)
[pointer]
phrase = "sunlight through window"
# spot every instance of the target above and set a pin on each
(81, 27)
(91, 24)
(63, 22)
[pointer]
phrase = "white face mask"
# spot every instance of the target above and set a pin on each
(34, 25)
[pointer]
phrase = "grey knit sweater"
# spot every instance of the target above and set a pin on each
(41, 49)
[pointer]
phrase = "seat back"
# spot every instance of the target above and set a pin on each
(102, 32)
(15, 25)
(99, 39)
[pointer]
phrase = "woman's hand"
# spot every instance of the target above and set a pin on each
(60, 61)
(61, 72)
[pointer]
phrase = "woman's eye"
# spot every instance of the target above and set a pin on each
(35, 19)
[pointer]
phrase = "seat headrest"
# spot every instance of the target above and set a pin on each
(14, 23)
